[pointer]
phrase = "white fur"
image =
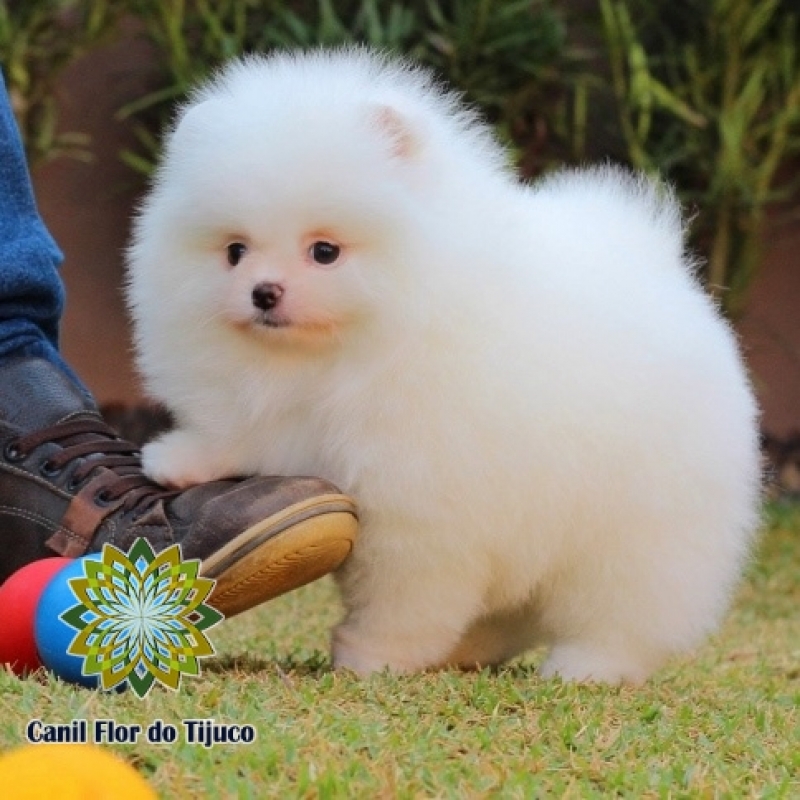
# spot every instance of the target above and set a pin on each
(545, 421)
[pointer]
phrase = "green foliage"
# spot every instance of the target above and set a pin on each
(508, 56)
(38, 39)
(708, 93)
(703, 92)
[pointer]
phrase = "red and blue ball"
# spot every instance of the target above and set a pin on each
(33, 635)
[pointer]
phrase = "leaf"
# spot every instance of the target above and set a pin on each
(667, 99)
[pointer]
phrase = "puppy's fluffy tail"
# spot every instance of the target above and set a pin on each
(622, 200)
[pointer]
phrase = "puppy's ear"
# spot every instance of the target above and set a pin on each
(194, 117)
(397, 130)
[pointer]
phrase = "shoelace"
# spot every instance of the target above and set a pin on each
(99, 445)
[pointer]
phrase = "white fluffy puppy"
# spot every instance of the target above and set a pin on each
(545, 421)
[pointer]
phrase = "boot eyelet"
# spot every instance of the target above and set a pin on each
(13, 452)
(102, 498)
(48, 470)
(73, 485)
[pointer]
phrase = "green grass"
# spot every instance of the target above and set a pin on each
(725, 723)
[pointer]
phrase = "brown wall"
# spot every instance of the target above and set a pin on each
(88, 207)
(770, 330)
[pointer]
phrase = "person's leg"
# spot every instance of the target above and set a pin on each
(31, 291)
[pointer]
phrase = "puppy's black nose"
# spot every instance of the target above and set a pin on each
(267, 295)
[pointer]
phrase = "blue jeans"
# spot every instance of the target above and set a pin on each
(31, 291)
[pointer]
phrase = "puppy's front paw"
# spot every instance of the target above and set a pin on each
(347, 654)
(180, 459)
(365, 656)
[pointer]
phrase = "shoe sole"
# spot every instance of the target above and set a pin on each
(283, 552)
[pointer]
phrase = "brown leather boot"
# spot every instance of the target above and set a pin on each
(69, 484)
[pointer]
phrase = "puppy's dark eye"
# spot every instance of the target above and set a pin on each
(324, 253)
(236, 251)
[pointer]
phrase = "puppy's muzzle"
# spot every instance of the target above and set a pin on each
(266, 296)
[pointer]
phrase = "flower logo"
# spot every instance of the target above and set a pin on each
(141, 617)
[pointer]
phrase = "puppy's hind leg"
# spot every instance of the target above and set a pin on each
(619, 616)
(586, 661)
(603, 649)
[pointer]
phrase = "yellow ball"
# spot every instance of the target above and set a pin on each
(70, 772)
